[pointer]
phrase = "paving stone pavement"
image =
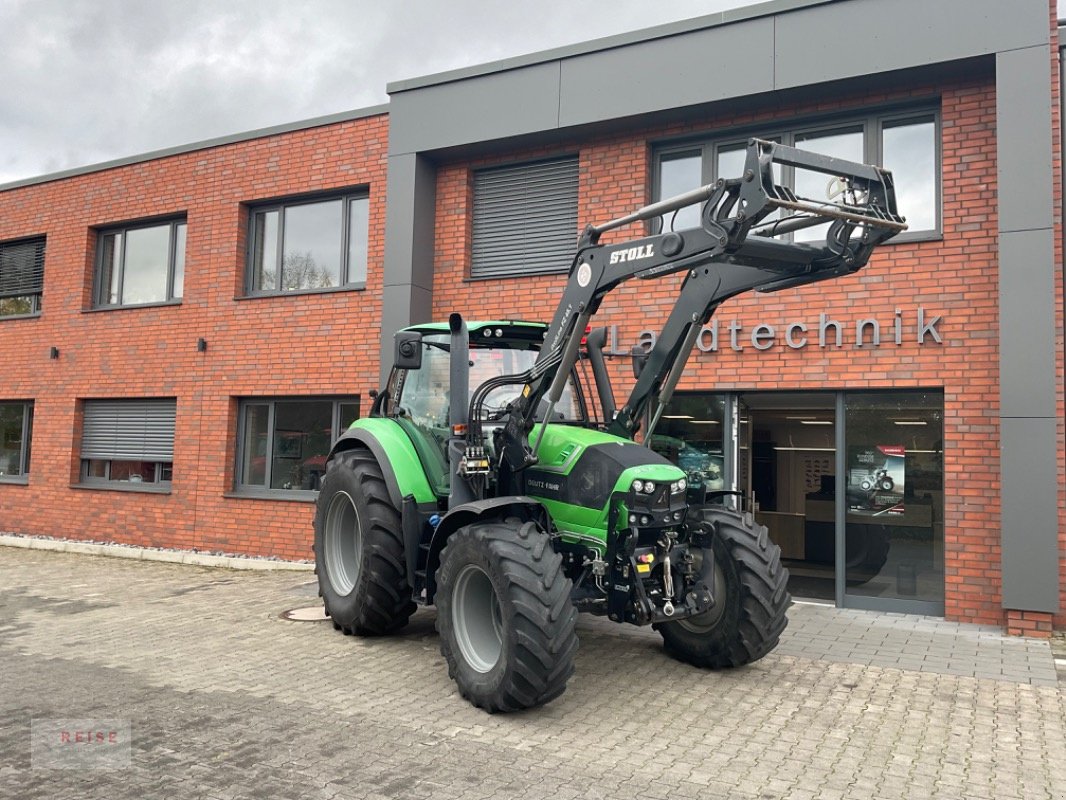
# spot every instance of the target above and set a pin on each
(227, 700)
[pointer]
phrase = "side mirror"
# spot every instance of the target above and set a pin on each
(408, 350)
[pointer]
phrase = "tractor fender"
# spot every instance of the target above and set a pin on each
(395, 455)
(521, 506)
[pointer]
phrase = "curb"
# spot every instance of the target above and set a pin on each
(147, 554)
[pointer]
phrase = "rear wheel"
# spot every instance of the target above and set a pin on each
(751, 599)
(359, 557)
(504, 615)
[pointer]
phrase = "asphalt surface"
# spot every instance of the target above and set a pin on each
(223, 698)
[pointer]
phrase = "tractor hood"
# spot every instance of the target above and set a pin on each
(579, 469)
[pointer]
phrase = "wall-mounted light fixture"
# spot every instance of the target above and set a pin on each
(201, 345)
(53, 352)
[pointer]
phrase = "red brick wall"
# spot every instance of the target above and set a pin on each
(955, 277)
(294, 345)
(1060, 341)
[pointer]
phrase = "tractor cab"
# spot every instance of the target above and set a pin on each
(418, 392)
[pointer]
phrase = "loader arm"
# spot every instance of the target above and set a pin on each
(733, 251)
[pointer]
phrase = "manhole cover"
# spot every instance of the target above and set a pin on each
(305, 614)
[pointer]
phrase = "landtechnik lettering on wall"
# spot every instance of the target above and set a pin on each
(914, 327)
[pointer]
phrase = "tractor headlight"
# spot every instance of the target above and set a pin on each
(678, 486)
(649, 487)
(638, 486)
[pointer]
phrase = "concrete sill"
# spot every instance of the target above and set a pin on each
(116, 486)
(15, 480)
(282, 495)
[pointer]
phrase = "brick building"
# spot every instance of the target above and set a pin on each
(243, 290)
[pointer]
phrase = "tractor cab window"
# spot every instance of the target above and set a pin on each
(423, 394)
(422, 398)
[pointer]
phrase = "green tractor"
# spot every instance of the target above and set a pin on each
(485, 483)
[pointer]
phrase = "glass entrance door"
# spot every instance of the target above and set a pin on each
(894, 519)
(786, 462)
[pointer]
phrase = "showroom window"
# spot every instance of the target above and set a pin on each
(140, 265)
(128, 443)
(21, 277)
(308, 245)
(905, 142)
(282, 444)
(894, 482)
(16, 430)
(524, 219)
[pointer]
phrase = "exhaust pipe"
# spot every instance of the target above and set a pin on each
(458, 409)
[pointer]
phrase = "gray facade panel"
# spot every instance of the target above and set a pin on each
(408, 264)
(489, 107)
(1027, 354)
(811, 47)
(1030, 520)
(1023, 119)
(689, 69)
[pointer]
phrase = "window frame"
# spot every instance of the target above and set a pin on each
(487, 272)
(280, 205)
(264, 490)
(25, 449)
(873, 125)
(160, 485)
(101, 293)
(35, 297)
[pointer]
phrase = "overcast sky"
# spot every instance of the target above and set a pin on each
(84, 81)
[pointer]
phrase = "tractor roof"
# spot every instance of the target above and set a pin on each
(511, 327)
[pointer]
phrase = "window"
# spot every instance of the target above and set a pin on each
(283, 444)
(302, 246)
(904, 142)
(894, 481)
(16, 429)
(128, 442)
(140, 265)
(21, 277)
(524, 219)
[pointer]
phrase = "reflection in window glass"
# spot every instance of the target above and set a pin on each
(110, 266)
(894, 537)
(690, 434)
(255, 447)
(265, 250)
(283, 444)
(679, 173)
(179, 261)
(312, 257)
(145, 273)
(358, 223)
(846, 144)
(303, 434)
(909, 150)
(349, 414)
(16, 422)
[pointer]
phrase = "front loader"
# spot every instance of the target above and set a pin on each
(482, 482)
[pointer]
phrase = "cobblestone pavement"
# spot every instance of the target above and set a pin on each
(227, 700)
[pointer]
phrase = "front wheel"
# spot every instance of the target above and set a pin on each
(751, 599)
(504, 616)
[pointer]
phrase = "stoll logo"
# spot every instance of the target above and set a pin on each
(914, 327)
(80, 744)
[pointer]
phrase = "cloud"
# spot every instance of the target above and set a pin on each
(90, 81)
